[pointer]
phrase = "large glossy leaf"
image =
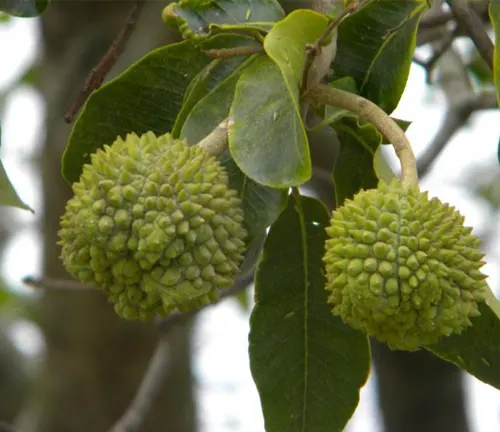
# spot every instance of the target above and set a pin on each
(8, 195)
(307, 364)
(268, 141)
(286, 44)
(146, 97)
(261, 204)
(354, 169)
(477, 350)
(23, 8)
(198, 18)
(375, 46)
(495, 20)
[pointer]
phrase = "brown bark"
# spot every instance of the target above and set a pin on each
(94, 361)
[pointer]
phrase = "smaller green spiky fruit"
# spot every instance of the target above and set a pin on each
(154, 224)
(401, 267)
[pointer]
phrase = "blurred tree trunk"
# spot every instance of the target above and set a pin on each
(94, 361)
(418, 392)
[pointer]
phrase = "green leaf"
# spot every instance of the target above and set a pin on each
(8, 195)
(214, 73)
(268, 140)
(375, 47)
(261, 204)
(23, 8)
(355, 169)
(307, 364)
(198, 18)
(286, 45)
(146, 97)
(494, 10)
(476, 350)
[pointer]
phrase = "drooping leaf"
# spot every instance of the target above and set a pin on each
(213, 74)
(307, 364)
(8, 195)
(23, 8)
(375, 46)
(286, 44)
(477, 349)
(261, 204)
(354, 169)
(146, 97)
(494, 10)
(198, 18)
(268, 141)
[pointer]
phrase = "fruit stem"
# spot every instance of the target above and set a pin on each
(324, 95)
(216, 142)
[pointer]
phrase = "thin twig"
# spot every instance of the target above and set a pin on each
(101, 70)
(315, 49)
(435, 20)
(151, 385)
(468, 19)
(56, 284)
(429, 64)
(149, 390)
(455, 119)
(324, 95)
(216, 142)
(175, 317)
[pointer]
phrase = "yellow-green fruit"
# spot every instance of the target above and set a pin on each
(154, 224)
(401, 267)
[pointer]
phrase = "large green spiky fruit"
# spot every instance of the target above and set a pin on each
(401, 267)
(154, 224)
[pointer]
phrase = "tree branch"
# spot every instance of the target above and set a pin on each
(455, 118)
(56, 284)
(148, 392)
(324, 95)
(101, 70)
(135, 415)
(467, 19)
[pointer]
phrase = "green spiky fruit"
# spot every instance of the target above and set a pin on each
(401, 267)
(154, 224)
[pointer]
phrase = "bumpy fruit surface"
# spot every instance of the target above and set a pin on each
(401, 267)
(154, 224)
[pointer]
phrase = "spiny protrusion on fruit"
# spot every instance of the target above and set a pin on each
(401, 267)
(154, 224)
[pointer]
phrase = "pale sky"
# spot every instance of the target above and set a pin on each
(228, 399)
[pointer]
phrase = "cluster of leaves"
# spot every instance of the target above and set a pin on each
(307, 364)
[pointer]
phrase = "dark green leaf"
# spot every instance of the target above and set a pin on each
(477, 350)
(286, 44)
(261, 204)
(354, 169)
(146, 97)
(23, 8)
(307, 364)
(268, 140)
(494, 10)
(8, 195)
(375, 46)
(197, 19)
